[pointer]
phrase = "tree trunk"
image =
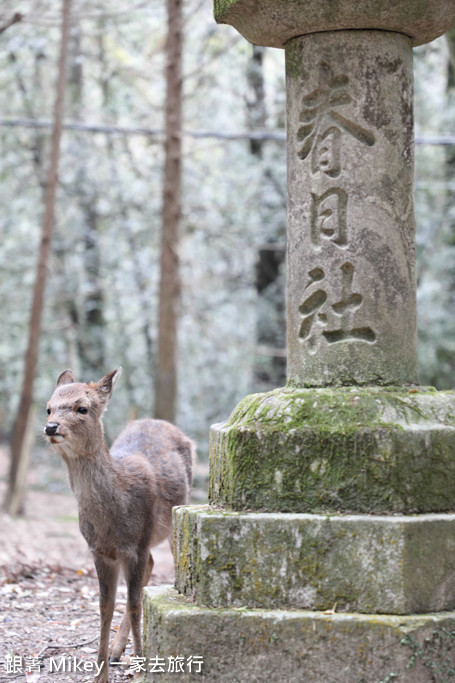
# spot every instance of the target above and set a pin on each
(444, 351)
(255, 100)
(450, 149)
(269, 367)
(14, 503)
(169, 296)
(88, 317)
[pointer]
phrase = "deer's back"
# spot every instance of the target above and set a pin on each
(167, 450)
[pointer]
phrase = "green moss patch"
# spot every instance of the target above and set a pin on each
(363, 449)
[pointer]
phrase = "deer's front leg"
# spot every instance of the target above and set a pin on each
(107, 577)
(121, 638)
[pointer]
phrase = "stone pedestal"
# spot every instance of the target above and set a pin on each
(359, 449)
(327, 553)
(291, 646)
(402, 564)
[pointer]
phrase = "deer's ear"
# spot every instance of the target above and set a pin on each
(66, 377)
(106, 385)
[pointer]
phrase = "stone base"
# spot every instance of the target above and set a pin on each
(375, 450)
(362, 563)
(241, 645)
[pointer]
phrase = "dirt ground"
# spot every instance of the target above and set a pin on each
(48, 586)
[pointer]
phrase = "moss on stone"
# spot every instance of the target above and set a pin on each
(392, 564)
(185, 551)
(220, 7)
(366, 449)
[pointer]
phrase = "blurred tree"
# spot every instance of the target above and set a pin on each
(435, 217)
(255, 98)
(270, 352)
(169, 296)
(20, 443)
(87, 315)
(446, 349)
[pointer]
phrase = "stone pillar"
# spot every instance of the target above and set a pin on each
(330, 505)
(351, 252)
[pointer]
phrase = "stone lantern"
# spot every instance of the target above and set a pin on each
(328, 550)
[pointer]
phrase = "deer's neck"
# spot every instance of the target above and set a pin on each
(92, 476)
(97, 482)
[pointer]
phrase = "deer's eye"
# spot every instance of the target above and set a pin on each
(82, 410)
(48, 411)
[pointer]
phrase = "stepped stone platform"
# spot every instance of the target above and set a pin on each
(361, 563)
(293, 646)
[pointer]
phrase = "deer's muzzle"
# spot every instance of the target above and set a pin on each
(51, 428)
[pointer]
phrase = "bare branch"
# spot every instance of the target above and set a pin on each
(14, 20)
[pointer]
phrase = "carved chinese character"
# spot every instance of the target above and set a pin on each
(328, 217)
(319, 107)
(327, 153)
(317, 311)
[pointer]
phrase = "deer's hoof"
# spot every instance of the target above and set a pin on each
(102, 678)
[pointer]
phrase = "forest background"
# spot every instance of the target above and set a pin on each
(103, 276)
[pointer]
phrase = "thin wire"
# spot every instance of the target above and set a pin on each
(260, 135)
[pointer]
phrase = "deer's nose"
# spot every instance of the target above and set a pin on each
(51, 428)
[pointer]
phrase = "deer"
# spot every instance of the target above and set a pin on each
(125, 495)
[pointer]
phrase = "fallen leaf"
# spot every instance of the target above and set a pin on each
(331, 611)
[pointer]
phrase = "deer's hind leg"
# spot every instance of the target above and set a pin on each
(121, 638)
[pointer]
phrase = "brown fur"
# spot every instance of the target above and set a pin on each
(125, 496)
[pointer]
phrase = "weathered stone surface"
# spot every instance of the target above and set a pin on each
(351, 321)
(370, 564)
(379, 450)
(351, 303)
(275, 22)
(295, 646)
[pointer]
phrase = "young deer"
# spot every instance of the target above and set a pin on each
(125, 496)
